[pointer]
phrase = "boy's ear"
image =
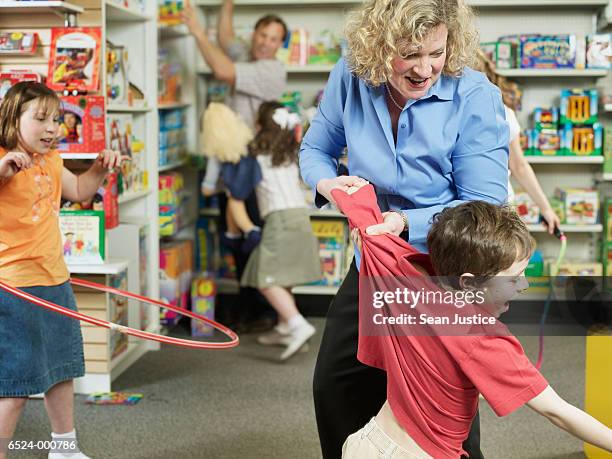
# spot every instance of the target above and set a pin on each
(467, 281)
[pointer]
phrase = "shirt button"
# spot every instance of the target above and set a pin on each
(403, 126)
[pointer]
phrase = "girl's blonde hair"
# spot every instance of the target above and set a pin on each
(13, 106)
(511, 94)
(380, 30)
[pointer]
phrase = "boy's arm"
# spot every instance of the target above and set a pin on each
(571, 419)
(78, 188)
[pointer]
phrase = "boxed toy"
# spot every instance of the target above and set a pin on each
(325, 49)
(578, 106)
(82, 125)
(74, 59)
(558, 208)
(118, 314)
(501, 53)
(581, 140)
(526, 208)
(332, 246)
(599, 51)
(83, 236)
(105, 199)
(547, 141)
(581, 205)
(22, 43)
(549, 51)
(571, 268)
(546, 118)
(169, 12)
(203, 292)
(11, 77)
(169, 280)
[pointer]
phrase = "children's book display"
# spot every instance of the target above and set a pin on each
(83, 236)
(74, 59)
(9, 78)
(82, 124)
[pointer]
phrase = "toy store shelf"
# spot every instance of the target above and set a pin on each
(110, 267)
(227, 286)
(11, 6)
(120, 13)
(172, 105)
(173, 165)
(291, 69)
(565, 159)
(79, 155)
(173, 31)
(326, 213)
(596, 228)
(131, 196)
(210, 212)
(315, 290)
(127, 109)
(278, 2)
(567, 73)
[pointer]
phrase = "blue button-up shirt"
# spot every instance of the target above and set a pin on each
(452, 145)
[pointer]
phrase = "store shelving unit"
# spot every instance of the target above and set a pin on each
(565, 159)
(552, 73)
(56, 7)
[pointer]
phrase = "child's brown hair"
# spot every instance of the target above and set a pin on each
(479, 238)
(13, 106)
(272, 139)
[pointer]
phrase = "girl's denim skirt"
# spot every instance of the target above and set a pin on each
(38, 348)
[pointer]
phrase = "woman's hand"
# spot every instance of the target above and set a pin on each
(346, 183)
(13, 162)
(109, 159)
(551, 219)
(392, 223)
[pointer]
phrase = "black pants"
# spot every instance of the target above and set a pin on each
(347, 393)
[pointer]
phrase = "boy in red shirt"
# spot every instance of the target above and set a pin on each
(433, 378)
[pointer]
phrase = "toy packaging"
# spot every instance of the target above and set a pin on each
(105, 199)
(546, 118)
(578, 106)
(324, 49)
(549, 51)
(501, 53)
(169, 12)
(113, 398)
(11, 77)
(581, 140)
(599, 51)
(203, 292)
(74, 60)
(82, 125)
(118, 314)
(83, 236)
(331, 235)
(571, 268)
(176, 269)
(21, 43)
(607, 149)
(581, 205)
(526, 208)
(117, 83)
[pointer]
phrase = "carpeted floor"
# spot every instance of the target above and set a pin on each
(241, 403)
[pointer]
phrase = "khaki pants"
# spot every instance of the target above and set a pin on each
(372, 442)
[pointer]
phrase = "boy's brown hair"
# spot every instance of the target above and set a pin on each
(479, 238)
(273, 140)
(13, 106)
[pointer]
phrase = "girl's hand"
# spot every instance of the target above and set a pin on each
(13, 162)
(551, 219)
(346, 183)
(109, 159)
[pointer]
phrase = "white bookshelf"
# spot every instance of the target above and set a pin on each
(116, 108)
(596, 228)
(552, 73)
(109, 267)
(133, 196)
(116, 12)
(21, 7)
(565, 159)
(475, 3)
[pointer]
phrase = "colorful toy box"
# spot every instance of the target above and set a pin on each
(21, 43)
(176, 269)
(203, 293)
(501, 53)
(550, 51)
(546, 118)
(578, 106)
(83, 236)
(581, 140)
(599, 51)
(82, 125)
(581, 205)
(526, 208)
(169, 12)
(11, 77)
(331, 235)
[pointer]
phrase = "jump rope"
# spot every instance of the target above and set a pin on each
(128, 330)
(563, 239)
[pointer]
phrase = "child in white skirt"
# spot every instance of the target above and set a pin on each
(288, 252)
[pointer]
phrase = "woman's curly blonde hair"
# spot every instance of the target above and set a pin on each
(380, 30)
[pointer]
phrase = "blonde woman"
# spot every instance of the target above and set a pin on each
(428, 132)
(520, 169)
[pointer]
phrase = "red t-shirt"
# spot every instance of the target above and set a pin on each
(433, 382)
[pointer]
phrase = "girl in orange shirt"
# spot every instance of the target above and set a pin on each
(41, 351)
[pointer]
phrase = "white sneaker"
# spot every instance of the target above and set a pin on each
(278, 337)
(297, 338)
